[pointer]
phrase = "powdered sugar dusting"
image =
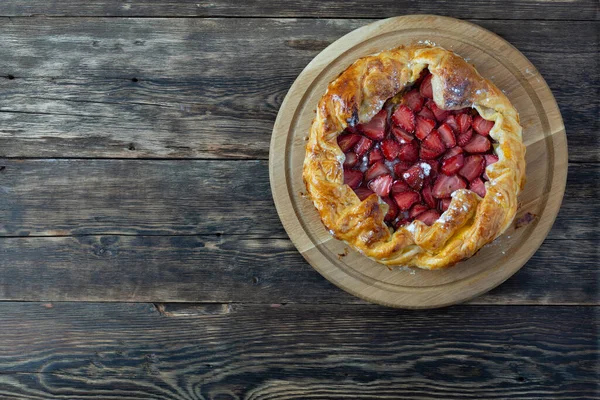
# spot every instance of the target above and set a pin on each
(364, 164)
(427, 42)
(443, 219)
(424, 171)
(407, 269)
(454, 206)
(390, 164)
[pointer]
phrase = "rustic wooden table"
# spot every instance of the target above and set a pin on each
(141, 255)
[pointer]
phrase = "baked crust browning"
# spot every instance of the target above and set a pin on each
(470, 222)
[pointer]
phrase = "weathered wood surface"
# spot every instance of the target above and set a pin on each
(64, 197)
(194, 197)
(145, 351)
(241, 269)
(184, 88)
(510, 9)
(211, 88)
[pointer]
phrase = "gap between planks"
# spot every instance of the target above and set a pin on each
(285, 17)
(246, 236)
(219, 159)
(185, 308)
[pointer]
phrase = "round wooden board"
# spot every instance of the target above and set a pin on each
(543, 134)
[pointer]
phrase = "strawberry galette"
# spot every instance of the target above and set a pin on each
(414, 158)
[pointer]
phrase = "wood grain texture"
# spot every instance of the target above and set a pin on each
(242, 269)
(512, 9)
(211, 88)
(171, 197)
(73, 94)
(65, 197)
(142, 351)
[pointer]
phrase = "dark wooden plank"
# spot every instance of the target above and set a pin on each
(211, 88)
(64, 197)
(510, 9)
(241, 269)
(184, 48)
(165, 118)
(139, 351)
(190, 197)
(577, 218)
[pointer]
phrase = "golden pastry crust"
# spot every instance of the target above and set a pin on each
(470, 222)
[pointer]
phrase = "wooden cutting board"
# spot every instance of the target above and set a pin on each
(543, 134)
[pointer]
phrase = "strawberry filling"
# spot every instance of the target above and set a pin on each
(414, 155)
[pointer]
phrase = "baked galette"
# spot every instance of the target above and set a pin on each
(415, 159)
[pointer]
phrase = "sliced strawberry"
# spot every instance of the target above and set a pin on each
(464, 122)
(400, 167)
(392, 210)
(399, 186)
(452, 152)
(402, 222)
(351, 129)
(427, 154)
(417, 209)
(473, 167)
(444, 204)
(375, 129)
(464, 138)
(351, 160)
(452, 165)
(347, 141)
(381, 185)
(390, 149)
(440, 114)
(426, 89)
(379, 168)
(434, 142)
(409, 152)
(452, 123)
(482, 126)
(424, 127)
(428, 217)
(401, 135)
(363, 193)
(434, 168)
(414, 177)
(447, 135)
(414, 100)
(375, 155)
(405, 200)
(426, 113)
(478, 187)
(446, 185)
(490, 159)
(428, 181)
(427, 195)
(404, 118)
(362, 146)
(478, 144)
(352, 178)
